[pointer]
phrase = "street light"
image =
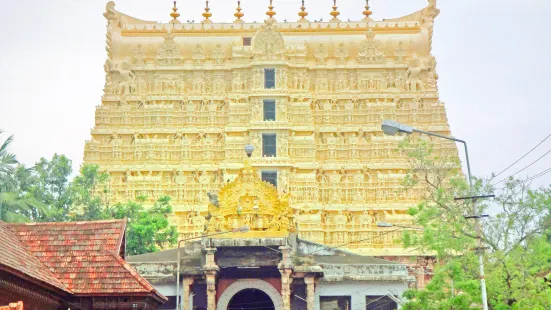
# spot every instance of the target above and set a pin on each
(385, 224)
(390, 127)
(178, 303)
(249, 149)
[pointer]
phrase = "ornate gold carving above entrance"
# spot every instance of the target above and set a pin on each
(248, 201)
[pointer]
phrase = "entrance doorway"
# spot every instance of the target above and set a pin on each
(251, 299)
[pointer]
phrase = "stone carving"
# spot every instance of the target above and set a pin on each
(268, 42)
(400, 52)
(219, 55)
(414, 74)
(139, 54)
(370, 50)
(198, 54)
(123, 75)
(341, 52)
(169, 52)
(321, 53)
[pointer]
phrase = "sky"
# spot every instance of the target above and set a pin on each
(494, 62)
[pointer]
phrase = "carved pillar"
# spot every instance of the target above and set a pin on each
(420, 277)
(286, 269)
(310, 291)
(186, 290)
(211, 270)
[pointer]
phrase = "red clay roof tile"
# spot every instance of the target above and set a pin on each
(14, 255)
(84, 256)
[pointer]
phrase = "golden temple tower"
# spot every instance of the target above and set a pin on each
(183, 99)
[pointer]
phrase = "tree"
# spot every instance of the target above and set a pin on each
(519, 253)
(8, 163)
(15, 206)
(88, 193)
(48, 182)
(148, 228)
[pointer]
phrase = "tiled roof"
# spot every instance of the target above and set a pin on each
(16, 257)
(13, 306)
(84, 256)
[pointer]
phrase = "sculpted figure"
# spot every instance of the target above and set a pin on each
(341, 52)
(414, 73)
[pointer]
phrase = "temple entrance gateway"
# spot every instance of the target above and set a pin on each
(251, 299)
(242, 293)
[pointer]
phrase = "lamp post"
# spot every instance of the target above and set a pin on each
(390, 127)
(385, 224)
(178, 303)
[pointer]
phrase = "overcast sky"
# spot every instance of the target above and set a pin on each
(494, 62)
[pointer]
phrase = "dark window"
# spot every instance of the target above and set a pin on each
(269, 78)
(247, 41)
(270, 177)
(380, 303)
(269, 145)
(335, 302)
(269, 110)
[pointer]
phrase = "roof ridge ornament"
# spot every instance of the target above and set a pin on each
(271, 13)
(238, 14)
(207, 14)
(367, 12)
(175, 14)
(335, 13)
(303, 14)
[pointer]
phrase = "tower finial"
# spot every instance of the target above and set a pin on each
(271, 12)
(367, 12)
(174, 14)
(303, 14)
(238, 14)
(207, 14)
(335, 13)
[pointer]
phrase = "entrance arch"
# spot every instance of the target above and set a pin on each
(254, 284)
(251, 298)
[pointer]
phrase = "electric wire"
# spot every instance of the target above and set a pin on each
(530, 165)
(539, 174)
(523, 156)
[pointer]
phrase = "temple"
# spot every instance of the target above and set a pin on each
(183, 99)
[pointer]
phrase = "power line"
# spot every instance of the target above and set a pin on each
(539, 174)
(530, 165)
(523, 156)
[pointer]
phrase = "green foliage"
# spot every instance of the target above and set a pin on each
(48, 183)
(87, 190)
(517, 236)
(15, 205)
(148, 229)
(45, 193)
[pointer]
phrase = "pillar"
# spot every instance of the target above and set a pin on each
(211, 271)
(186, 290)
(286, 281)
(420, 277)
(310, 291)
(286, 270)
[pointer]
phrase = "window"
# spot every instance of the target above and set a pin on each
(247, 41)
(380, 303)
(269, 145)
(269, 110)
(335, 303)
(269, 78)
(270, 177)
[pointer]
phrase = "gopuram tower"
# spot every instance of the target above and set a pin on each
(182, 100)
